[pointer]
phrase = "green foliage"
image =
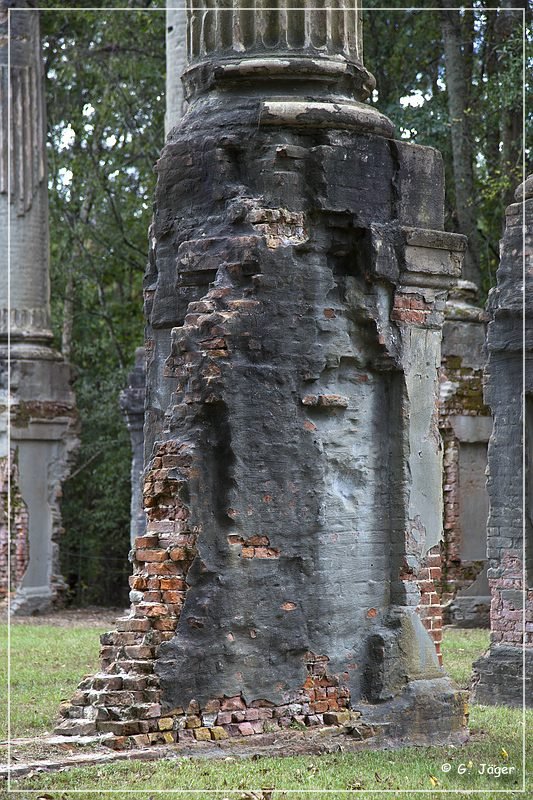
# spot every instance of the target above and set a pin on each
(105, 99)
(96, 499)
(404, 50)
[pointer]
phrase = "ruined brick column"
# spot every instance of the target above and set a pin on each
(295, 296)
(42, 408)
(465, 425)
(499, 676)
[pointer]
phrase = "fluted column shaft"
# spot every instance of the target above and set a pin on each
(318, 28)
(319, 43)
(23, 176)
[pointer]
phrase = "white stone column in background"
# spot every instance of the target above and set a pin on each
(41, 403)
(176, 61)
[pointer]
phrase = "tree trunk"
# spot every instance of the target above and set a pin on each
(458, 86)
(508, 24)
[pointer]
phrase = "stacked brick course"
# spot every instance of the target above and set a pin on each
(412, 308)
(507, 622)
(430, 608)
(452, 532)
(127, 704)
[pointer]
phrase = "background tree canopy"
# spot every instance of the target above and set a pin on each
(452, 80)
(106, 103)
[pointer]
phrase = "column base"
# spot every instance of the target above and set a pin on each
(468, 612)
(498, 678)
(427, 712)
(31, 601)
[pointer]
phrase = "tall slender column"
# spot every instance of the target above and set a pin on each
(42, 411)
(295, 301)
(22, 140)
(176, 52)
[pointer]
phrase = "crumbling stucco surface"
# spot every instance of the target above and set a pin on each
(289, 405)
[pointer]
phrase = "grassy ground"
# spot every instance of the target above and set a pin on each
(59, 658)
(460, 648)
(47, 663)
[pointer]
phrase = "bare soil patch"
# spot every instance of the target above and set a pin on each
(90, 617)
(30, 756)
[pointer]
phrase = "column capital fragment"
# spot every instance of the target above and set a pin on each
(310, 51)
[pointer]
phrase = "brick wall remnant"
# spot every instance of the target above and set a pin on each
(429, 580)
(294, 301)
(13, 527)
(499, 676)
(465, 424)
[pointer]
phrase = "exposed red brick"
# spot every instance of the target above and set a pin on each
(288, 606)
(151, 555)
(232, 704)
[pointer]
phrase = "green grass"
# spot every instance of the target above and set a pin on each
(60, 657)
(460, 647)
(410, 768)
(47, 663)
